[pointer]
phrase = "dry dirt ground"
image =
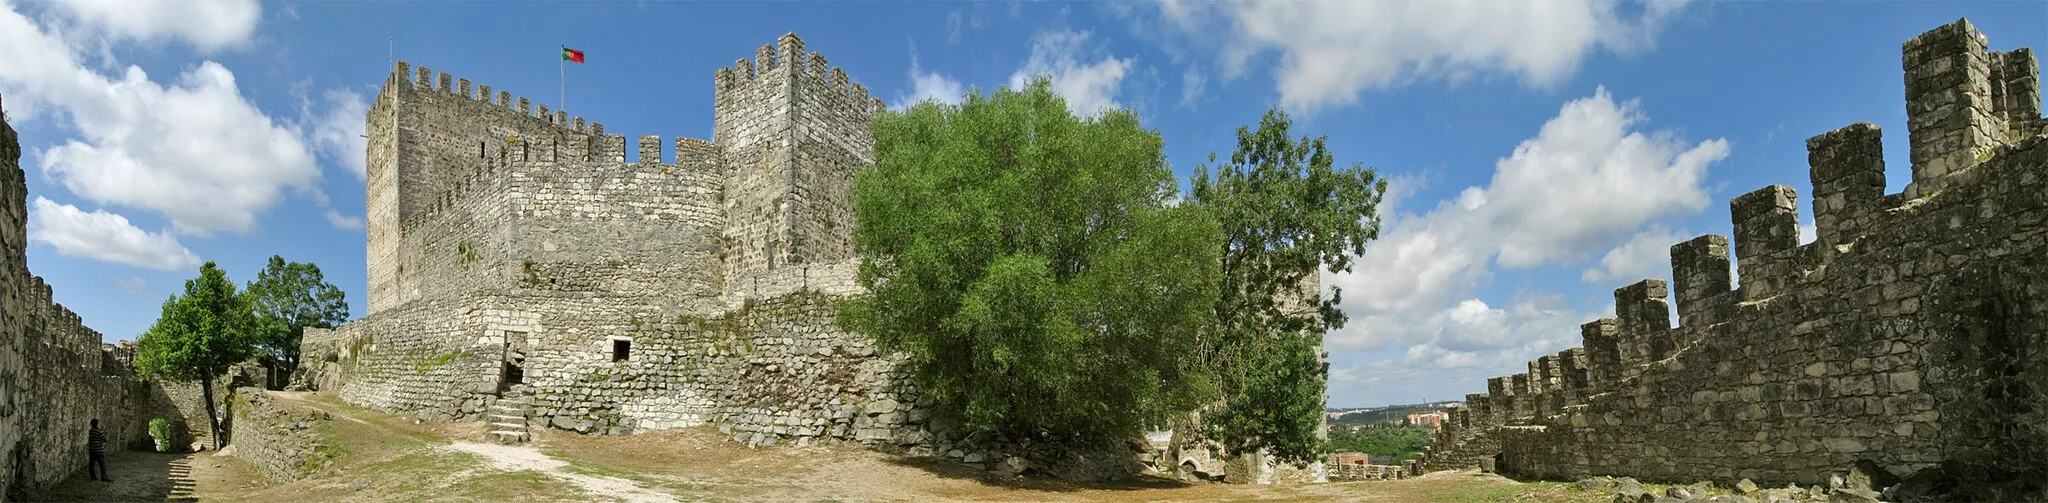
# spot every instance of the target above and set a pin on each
(386, 458)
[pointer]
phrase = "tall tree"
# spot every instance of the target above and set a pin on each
(1031, 265)
(1285, 211)
(287, 298)
(200, 334)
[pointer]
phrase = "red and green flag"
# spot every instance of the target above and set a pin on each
(572, 55)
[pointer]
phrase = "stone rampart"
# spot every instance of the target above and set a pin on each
(1900, 337)
(56, 375)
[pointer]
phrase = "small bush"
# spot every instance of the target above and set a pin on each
(160, 429)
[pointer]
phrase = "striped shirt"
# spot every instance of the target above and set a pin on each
(99, 440)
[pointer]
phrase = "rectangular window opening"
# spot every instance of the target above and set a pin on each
(621, 350)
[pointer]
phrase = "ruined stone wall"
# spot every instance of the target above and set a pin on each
(778, 367)
(1902, 336)
(769, 372)
(430, 357)
(282, 441)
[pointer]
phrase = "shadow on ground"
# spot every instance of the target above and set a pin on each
(137, 476)
(949, 469)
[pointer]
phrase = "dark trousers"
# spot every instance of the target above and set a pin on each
(97, 460)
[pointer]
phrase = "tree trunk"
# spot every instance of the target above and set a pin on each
(212, 417)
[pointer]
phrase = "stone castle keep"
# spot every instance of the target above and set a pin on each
(521, 265)
(1913, 332)
(525, 272)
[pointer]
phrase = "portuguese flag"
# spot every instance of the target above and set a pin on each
(572, 55)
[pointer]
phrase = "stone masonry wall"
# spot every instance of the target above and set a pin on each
(833, 142)
(1903, 336)
(501, 241)
(283, 442)
(55, 374)
(793, 132)
(426, 136)
(454, 246)
(752, 123)
(645, 231)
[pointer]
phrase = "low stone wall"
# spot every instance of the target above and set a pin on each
(284, 442)
(1356, 472)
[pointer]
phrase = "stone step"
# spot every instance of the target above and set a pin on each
(508, 437)
(506, 418)
(496, 426)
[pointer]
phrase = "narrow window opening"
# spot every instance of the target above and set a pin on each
(621, 350)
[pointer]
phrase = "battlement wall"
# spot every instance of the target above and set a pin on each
(56, 375)
(1876, 342)
(646, 230)
(456, 245)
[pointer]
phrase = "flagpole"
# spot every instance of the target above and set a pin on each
(562, 65)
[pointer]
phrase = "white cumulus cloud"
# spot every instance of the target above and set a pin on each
(929, 86)
(106, 237)
(1647, 255)
(1088, 84)
(207, 25)
(1589, 181)
(338, 129)
(1328, 51)
(193, 149)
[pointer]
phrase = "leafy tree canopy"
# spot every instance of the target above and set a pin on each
(1032, 265)
(287, 298)
(200, 334)
(1285, 211)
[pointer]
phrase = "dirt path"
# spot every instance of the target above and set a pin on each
(514, 458)
(153, 476)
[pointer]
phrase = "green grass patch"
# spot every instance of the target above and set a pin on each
(524, 485)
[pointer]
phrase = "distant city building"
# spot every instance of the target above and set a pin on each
(1434, 419)
(1352, 458)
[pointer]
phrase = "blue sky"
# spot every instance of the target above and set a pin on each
(1542, 153)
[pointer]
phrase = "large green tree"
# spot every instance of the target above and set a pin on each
(1285, 211)
(287, 298)
(1033, 266)
(200, 334)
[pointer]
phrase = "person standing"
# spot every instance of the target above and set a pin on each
(96, 446)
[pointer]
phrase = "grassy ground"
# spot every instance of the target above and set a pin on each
(379, 457)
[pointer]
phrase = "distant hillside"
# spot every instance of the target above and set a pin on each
(1390, 413)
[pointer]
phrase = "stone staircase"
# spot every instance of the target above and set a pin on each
(507, 416)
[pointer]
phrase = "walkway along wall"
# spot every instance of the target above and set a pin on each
(1912, 332)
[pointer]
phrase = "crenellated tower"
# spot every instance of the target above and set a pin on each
(793, 130)
(427, 133)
